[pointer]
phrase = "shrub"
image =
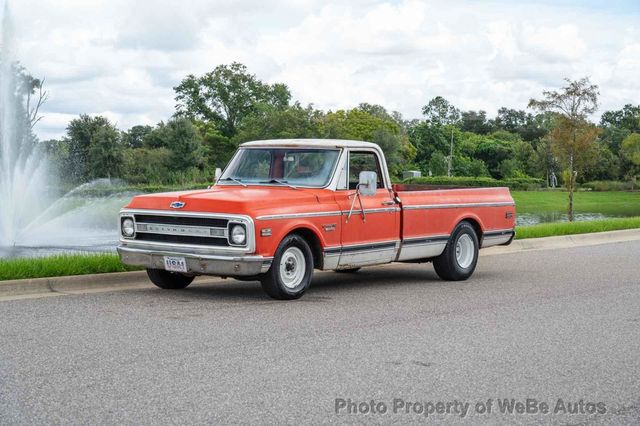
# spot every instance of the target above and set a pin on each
(520, 183)
(608, 185)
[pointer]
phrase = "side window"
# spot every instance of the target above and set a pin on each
(363, 162)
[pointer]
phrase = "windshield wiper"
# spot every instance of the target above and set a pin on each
(280, 181)
(235, 180)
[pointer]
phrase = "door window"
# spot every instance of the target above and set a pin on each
(363, 162)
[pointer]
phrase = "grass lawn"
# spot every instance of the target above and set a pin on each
(60, 265)
(608, 203)
(571, 228)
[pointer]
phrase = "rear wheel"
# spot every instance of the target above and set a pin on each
(459, 258)
(291, 270)
(169, 280)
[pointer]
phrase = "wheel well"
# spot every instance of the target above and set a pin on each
(314, 243)
(476, 227)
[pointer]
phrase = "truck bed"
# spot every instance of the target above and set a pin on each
(433, 211)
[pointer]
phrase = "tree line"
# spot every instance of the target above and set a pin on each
(217, 111)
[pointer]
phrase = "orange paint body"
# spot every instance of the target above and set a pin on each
(402, 223)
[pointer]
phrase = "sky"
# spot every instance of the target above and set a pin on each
(122, 58)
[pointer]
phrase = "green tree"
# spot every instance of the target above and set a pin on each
(530, 127)
(269, 122)
(427, 140)
(218, 149)
(439, 112)
(182, 139)
(545, 162)
(510, 168)
(438, 164)
(361, 125)
(573, 137)
(105, 153)
(475, 122)
(627, 118)
(226, 96)
(493, 152)
(134, 137)
(631, 152)
(145, 165)
(81, 133)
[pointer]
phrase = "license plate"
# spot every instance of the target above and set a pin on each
(175, 264)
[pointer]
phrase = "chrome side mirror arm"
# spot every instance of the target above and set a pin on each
(353, 202)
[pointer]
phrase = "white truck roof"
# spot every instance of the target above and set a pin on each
(319, 143)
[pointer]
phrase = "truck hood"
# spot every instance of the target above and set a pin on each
(251, 200)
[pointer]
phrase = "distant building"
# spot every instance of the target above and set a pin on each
(411, 174)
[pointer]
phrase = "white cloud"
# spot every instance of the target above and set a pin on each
(122, 58)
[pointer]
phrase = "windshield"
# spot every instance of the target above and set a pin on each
(280, 166)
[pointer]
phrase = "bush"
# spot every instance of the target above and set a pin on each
(608, 185)
(521, 183)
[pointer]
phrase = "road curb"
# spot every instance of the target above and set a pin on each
(565, 241)
(73, 283)
(139, 279)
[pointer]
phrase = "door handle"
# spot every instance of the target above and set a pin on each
(388, 203)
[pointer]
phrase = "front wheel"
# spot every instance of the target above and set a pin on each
(169, 280)
(459, 258)
(291, 270)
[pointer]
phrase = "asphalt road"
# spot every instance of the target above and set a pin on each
(548, 325)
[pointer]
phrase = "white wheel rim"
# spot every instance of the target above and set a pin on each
(464, 251)
(292, 267)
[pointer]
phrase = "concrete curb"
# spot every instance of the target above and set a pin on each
(39, 287)
(565, 241)
(71, 283)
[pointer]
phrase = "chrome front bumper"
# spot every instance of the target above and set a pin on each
(197, 264)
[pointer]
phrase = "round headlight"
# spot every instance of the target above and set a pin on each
(127, 228)
(238, 235)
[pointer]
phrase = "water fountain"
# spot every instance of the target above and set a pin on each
(34, 218)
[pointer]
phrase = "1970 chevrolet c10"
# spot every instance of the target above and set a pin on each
(283, 208)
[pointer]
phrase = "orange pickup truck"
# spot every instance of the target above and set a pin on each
(283, 208)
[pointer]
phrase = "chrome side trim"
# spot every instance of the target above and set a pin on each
(362, 246)
(497, 232)
(378, 210)
(426, 239)
(422, 247)
(497, 237)
(456, 206)
(324, 214)
(298, 215)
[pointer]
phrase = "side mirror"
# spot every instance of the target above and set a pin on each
(217, 175)
(368, 184)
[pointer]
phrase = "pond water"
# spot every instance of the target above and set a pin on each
(524, 219)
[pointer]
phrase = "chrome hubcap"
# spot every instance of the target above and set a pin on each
(292, 267)
(464, 251)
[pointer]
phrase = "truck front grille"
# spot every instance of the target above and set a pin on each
(191, 230)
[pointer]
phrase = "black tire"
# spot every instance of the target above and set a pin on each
(446, 265)
(169, 280)
(348, 271)
(274, 284)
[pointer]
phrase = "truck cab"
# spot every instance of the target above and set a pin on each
(284, 208)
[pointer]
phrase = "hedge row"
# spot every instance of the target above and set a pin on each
(608, 185)
(523, 184)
